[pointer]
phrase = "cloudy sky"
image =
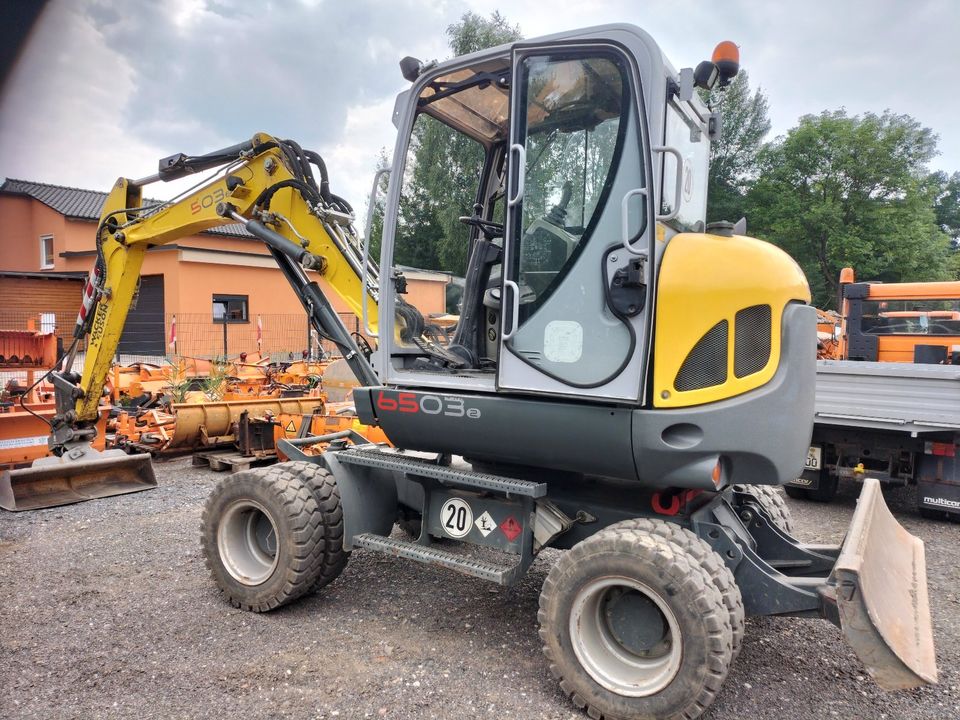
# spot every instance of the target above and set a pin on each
(106, 87)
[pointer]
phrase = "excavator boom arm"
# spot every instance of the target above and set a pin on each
(265, 188)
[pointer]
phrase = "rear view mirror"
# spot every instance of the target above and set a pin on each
(705, 76)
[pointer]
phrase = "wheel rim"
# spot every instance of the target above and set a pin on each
(625, 636)
(247, 542)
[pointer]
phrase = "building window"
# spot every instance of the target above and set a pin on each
(46, 252)
(230, 308)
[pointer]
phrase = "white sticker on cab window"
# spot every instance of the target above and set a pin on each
(563, 341)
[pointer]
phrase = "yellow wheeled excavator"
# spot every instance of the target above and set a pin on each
(612, 377)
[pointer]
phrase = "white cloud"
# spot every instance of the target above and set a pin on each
(352, 160)
(107, 87)
(62, 112)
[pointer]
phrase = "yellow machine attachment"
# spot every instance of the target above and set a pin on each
(53, 480)
(266, 187)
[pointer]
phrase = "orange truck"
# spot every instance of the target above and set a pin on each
(899, 322)
(888, 394)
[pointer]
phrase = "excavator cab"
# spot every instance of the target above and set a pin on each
(553, 207)
(523, 194)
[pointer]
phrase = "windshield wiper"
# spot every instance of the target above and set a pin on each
(481, 80)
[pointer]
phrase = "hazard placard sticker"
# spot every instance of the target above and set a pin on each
(511, 528)
(456, 518)
(290, 428)
(485, 524)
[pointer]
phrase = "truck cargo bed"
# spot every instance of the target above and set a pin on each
(902, 397)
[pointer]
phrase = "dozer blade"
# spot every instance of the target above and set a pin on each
(53, 481)
(881, 587)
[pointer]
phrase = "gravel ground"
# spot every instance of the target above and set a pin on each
(107, 610)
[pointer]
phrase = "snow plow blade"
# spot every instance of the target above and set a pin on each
(881, 594)
(53, 481)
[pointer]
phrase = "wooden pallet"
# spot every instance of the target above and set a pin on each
(220, 460)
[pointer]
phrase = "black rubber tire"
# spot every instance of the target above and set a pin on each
(797, 493)
(720, 574)
(290, 504)
(667, 562)
(826, 491)
(770, 499)
(940, 515)
(411, 526)
(327, 496)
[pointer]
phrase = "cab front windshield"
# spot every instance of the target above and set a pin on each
(455, 168)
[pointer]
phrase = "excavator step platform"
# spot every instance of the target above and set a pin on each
(483, 569)
(444, 475)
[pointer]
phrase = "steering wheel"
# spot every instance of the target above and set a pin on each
(489, 229)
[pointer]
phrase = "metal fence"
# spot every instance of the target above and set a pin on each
(282, 337)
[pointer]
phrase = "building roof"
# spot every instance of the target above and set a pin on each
(86, 204)
(45, 275)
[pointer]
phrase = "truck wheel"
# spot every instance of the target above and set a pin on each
(633, 623)
(769, 498)
(797, 493)
(826, 490)
(262, 536)
(327, 496)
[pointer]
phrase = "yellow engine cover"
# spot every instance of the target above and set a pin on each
(704, 282)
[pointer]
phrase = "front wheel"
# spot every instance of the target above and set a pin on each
(263, 538)
(326, 494)
(634, 625)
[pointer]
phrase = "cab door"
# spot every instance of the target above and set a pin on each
(578, 276)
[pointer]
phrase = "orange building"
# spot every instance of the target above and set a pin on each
(220, 284)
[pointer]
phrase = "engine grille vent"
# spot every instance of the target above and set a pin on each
(751, 340)
(706, 365)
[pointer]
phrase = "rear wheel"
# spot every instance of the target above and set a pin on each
(263, 538)
(772, 502)
(327, 496)
(634, 625)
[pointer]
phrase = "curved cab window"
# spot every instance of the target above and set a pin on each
(581, 140)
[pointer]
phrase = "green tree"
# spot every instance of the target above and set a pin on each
(475, 32)
(946, 208)
(733, 156)
(376, 219)
(947, 203)
(443, 168)
(840, 191)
